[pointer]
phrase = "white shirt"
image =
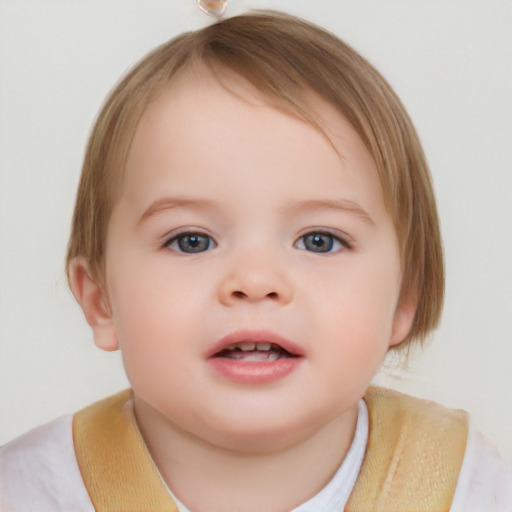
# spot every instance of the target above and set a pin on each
(39, 473)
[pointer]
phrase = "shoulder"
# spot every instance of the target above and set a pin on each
(436, 444)
(414, 454)
(400, 407)
(38, 471)
(484, 481)
(416, 430)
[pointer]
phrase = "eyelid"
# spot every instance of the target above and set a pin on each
(345, 240)
(187, 230)
(341, 236)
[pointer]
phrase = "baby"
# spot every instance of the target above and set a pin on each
(255, 228)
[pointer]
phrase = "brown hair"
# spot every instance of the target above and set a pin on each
(284, 57)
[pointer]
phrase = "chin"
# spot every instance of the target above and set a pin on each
(259, 434)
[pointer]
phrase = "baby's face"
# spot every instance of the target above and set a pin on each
(253, 271)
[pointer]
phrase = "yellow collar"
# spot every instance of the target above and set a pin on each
(412, 461)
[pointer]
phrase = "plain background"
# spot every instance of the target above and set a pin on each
(449, 60)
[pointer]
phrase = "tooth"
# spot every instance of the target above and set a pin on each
(263, 346)
(246, 346)
(253, 357)
(273, 356)
(237, 355)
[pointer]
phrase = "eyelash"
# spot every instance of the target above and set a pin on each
(204, 242)
(174, 242)
(334, 240)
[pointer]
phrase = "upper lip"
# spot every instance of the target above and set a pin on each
(255, 336)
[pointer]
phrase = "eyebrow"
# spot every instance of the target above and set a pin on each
(342, 205)
(169, 203)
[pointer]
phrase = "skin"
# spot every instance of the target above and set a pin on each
(252, 180)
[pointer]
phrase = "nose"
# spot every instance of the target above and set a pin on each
(253, 279)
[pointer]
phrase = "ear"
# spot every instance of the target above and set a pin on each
(93, 299)
(402, 321)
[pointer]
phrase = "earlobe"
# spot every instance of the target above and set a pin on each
(94, 302)
(402, 321)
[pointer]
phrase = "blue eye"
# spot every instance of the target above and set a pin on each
(317, 241)
(191, 243)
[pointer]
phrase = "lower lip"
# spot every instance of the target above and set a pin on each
(254, 372)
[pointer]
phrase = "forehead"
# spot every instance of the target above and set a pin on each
(197, 86)
(200, 119)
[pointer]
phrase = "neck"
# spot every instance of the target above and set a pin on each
(212, 478)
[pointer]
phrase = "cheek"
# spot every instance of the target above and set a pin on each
(365, 297)
(152, 312)
(151, 335)
(360, 312)
(152, 292)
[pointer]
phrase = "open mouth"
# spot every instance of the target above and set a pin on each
(254, 352)
(255, 357)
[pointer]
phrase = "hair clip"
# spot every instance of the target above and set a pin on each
(213, 7)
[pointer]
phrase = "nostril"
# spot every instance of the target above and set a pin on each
(237, 294)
